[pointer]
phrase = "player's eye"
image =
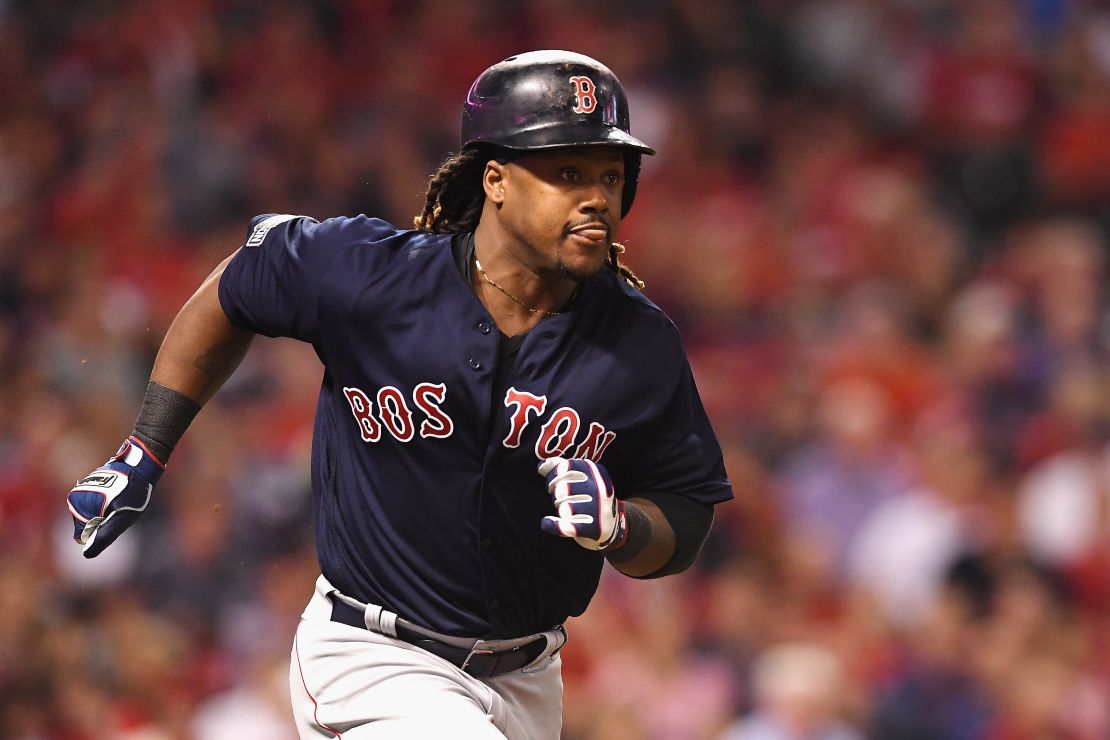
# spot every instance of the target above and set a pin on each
(613, 178)
(570, 174)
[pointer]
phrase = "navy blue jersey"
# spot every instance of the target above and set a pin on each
(426, 498)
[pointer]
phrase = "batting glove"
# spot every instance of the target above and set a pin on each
(588, 508)
(112, 498)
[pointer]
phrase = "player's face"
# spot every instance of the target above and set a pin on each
(566, 204)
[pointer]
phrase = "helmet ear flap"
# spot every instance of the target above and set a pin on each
(632, 160)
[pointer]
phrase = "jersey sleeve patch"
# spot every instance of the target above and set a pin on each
(265, 225)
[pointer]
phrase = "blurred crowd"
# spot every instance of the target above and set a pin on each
(881, 226)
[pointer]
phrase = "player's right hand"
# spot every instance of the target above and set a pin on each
(588, 509)
(111, 498)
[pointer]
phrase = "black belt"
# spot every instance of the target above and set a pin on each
(480, 663)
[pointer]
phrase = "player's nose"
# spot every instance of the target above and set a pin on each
(597, 198)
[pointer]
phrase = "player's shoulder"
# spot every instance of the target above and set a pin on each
(337, 231)
(628, 318)
(629, 300)
(262, 224)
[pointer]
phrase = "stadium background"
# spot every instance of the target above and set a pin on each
(881, 226)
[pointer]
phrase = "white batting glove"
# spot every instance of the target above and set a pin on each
(588, 510)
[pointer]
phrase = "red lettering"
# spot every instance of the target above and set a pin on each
(427, 397)
(585, 94)
(395, 413)
(525, 404)
(558, 433)
(363, 409)
(593, 447)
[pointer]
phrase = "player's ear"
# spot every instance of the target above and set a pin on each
(493, 181)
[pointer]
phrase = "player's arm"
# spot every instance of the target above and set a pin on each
(200, 351)
(643, 537)
(202, 347)
(665, 535)
(648, 542)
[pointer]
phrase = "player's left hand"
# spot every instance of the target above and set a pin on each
(111, 498)
(588, 508)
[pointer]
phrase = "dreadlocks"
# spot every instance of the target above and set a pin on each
(454, 199)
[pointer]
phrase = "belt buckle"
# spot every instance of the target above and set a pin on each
(474, 650)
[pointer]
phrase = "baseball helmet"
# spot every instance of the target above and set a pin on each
(549, 99)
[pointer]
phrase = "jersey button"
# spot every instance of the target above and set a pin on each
(484, 327)
(486, 543)
(474, 364)
(494, 604)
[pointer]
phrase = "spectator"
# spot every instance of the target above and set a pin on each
(796, 693)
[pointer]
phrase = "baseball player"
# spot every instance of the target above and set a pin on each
(501, 412)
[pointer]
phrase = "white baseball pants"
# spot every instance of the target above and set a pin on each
(355, 684)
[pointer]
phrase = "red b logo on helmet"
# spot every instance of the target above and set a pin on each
(585, 93)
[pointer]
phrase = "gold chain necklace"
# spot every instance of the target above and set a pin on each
(516, 300)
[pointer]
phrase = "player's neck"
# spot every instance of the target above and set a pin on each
(515, 295)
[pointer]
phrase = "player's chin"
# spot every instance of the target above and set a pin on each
(582, 258)
(580, 272)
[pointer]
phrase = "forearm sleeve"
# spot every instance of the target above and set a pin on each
(163, 418)
(690, 521)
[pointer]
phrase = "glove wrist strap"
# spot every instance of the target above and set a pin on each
(620, 531)
(636, 536)
(136, 454)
